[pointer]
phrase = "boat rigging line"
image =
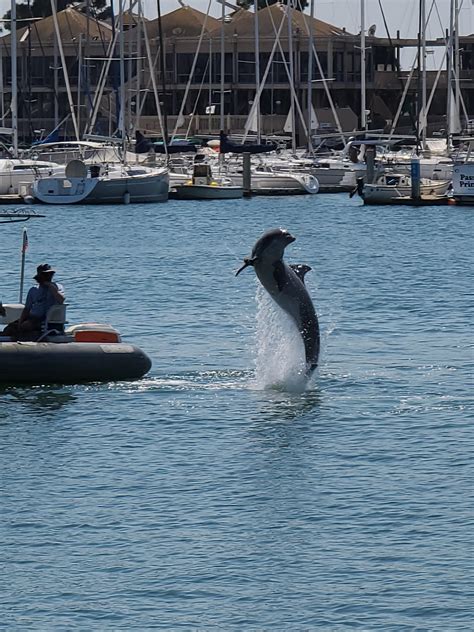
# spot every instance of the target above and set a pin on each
(191, 73)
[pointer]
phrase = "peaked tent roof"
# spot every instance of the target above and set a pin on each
(183, 22)
(130, 19)
(269, 20)
(72, 24)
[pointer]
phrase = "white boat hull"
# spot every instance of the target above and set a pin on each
(387, 194)
(15, 173)
(331, 179)
(279, 183)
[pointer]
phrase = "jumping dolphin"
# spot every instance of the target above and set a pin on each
(285, 284)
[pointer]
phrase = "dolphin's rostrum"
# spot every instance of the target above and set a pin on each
(285, 284)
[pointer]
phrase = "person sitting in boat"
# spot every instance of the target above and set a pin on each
(38, 301)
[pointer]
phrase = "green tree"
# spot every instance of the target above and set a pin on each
(262, 4)
(42, 8)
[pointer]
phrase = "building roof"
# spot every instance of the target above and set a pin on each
(241, 23)
(72, 24)
(183, 22)
(130, 19)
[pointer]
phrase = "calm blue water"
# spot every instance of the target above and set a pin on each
(197, 498)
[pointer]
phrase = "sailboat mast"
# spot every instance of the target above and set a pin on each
(457, 65)
(222, 65)
(121, 121)
(163, 76)
(79, 82)
(418, 87)
(65, 72)
(56, 80)
(309, 104)
(257, 68)
(424, 117)
(209, 98)
(449, 70)
(14, 99)
(363, 61)
(289, 17)
(2, 101)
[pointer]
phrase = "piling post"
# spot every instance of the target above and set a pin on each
(247, 176)
(370, 161)
(415, 178)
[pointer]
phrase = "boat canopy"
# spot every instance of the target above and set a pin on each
(228, 147)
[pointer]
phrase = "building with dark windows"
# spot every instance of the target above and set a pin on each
(195, 47)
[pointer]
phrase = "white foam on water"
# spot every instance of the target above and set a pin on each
(280, 357)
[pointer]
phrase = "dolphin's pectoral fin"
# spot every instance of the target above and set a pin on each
(279, 275)
(301, 270)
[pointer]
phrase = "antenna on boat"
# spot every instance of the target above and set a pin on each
(24, 248)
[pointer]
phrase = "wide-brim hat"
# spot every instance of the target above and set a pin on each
(44, 268)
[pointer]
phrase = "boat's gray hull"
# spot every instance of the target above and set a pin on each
(115, 191)
(70, 363)
(207, 192)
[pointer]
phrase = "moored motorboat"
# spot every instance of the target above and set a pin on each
(203, 186)
(88, 352)
(392, 187)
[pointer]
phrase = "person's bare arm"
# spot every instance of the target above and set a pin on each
(24, 315)
(58, 296)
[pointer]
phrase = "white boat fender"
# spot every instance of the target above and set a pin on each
(126, 198)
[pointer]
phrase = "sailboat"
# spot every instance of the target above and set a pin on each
(15, 171)
(107, 184)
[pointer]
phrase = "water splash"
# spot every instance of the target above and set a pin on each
(280, 357)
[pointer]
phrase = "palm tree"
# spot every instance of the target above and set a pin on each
(42, 8)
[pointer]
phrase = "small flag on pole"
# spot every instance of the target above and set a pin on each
(24, 247)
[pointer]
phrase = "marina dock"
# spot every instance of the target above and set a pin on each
(11, 199)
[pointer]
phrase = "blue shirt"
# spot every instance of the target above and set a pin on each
(40, 299)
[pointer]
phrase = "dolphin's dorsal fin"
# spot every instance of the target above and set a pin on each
(301, 269)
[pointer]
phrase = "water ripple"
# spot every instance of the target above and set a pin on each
(212, 496)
